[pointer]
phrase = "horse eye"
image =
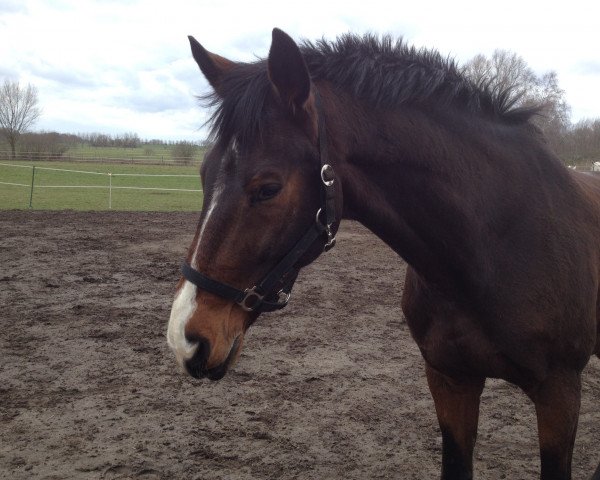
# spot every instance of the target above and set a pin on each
(267, 191)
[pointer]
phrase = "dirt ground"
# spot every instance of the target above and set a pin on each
(331, 387)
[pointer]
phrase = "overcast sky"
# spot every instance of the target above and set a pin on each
(118, 66)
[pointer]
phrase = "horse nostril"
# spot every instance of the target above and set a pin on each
(196, 366)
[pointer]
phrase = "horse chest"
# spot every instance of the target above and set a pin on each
(457, 346)
(453, 341)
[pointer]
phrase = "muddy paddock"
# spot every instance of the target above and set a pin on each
(331, 387)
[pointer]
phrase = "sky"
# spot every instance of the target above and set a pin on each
(117, 66)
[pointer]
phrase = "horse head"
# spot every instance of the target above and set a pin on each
(269, 203)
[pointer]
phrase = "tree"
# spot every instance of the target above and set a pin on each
(507, 71)
(184, 152)
(555, 117)
(48, 145)
(504, 70)
(581, 143)
(18, 111)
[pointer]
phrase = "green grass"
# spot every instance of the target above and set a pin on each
(71, 196)
(155, 153)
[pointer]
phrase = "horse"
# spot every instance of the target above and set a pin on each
(501, 240)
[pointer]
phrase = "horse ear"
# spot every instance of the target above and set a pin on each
(213, 66)
(288, 71)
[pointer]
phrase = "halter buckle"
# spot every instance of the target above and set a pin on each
(283, 298)
(330, 243)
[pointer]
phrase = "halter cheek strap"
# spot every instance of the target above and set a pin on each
(274, 291)
(263, 297)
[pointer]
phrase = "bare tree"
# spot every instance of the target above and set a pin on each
(184, 152)
(18, 111)
(555, 116)
(507, 71)
(44, 145)
(581, 143)
(503, 71)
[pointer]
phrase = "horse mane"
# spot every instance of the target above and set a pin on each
(381, 71)
(387, 72)
(240, 104)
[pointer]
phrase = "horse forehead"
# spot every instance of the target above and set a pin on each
(216, 162)
(235, 159)
(234, 162)
(235, 167)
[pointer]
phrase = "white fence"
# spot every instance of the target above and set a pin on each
(109, 186)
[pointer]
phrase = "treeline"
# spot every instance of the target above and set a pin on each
(505, 71)
(54, 145)
(575, 144)
(579, 144)
(96, 139)
(125, 140)
(46, 144)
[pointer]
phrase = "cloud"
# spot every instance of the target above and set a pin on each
(63, 77)
(588, 67)
(5, 73)
(127, 64)
(154, 102)
(12, 6)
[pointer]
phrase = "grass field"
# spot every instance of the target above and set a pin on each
(148, 153)
(153, 152)
(56, 189)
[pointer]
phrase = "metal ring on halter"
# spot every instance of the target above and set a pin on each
(319, 220)
(248, 294)
(327, 169)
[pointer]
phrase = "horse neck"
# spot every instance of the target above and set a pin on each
(431, 186)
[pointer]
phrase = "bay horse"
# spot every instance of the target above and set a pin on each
(502, 241)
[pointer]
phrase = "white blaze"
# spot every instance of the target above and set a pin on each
(182, 310)
(185, 304)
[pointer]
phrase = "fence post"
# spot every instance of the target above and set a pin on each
(110, 191)
(31, 192)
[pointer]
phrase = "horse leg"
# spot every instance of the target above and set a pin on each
(597, 473)
(557, 401)
(457, 408)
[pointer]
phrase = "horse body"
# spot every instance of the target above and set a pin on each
(589, 184)
(503, 242)
(499, 242)
(504, 248)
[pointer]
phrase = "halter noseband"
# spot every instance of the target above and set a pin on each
(264, 297)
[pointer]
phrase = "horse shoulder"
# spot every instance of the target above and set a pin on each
(451, 339)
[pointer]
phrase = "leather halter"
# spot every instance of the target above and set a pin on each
(274, 290)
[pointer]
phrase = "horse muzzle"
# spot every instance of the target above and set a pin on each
(197, 365)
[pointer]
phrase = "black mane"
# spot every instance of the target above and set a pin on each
(383, 72)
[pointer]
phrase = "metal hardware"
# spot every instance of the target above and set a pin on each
(250, 293)
(286, 297)
(330, 240)
(318, 219)
(330, 243)
(327, 171)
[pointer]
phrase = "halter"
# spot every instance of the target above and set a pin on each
(265, 296)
